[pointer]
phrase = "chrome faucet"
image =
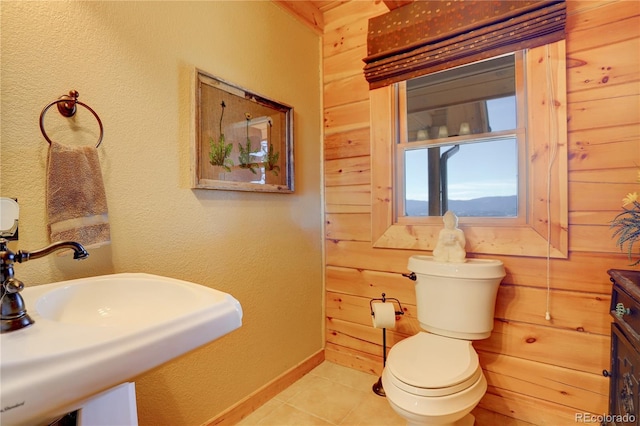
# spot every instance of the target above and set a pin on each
(13, 314)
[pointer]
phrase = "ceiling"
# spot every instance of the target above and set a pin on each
(311, 12)
(323, 6)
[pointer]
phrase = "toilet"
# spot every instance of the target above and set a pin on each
(434, 377)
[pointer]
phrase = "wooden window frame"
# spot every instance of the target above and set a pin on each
(546, 129)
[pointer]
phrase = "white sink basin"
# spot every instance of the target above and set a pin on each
(121, 300)
(93, 333)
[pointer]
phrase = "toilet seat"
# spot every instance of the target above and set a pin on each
(431, 365)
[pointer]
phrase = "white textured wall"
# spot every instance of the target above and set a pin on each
(132, 63)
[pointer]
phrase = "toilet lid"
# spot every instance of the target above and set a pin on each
(431, 362)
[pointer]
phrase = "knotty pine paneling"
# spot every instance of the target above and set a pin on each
(583, 272)
(343, 65)
(345, 91)
(347, 117)
(570, 310)
(564, 348)
(525, 408)
(588, 27)
(364, 339)
(369, 284)
(592, 238)
(350, 357)
(357, 310)
(589, 217)
(623, 177)
(347, 199)
(347, 171)
(571, 349)
(546, 382)
(361, 255)
(607, 196)
(348, 227)
(602, 113)
(609, 34)
(605, 91)
(355, 143)
(352, 13)
(539, 372)
(599, 149)
(347, 37)
(573, 388)
(354, 226)
(610, 64)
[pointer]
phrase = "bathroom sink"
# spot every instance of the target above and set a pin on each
(105, 301)
(93, 333)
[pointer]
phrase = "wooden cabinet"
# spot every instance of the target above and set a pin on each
(624, 389)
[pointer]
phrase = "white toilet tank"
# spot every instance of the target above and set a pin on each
(457, 299)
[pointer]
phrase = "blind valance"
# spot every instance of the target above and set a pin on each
(433, 35)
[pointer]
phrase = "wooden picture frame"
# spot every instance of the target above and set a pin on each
(241, 141)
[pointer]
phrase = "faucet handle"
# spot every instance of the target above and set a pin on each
(13, 313)
(13, 285)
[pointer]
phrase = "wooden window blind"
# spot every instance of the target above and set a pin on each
(428, 36)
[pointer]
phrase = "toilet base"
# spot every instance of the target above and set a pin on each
(449, 410)
(467, 420)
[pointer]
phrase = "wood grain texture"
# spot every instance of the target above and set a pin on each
(539, 372)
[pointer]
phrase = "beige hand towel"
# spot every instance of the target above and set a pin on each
(76, 200)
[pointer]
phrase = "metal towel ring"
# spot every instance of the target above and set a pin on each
(67, 107)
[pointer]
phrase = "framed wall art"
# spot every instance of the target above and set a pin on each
(241, 141)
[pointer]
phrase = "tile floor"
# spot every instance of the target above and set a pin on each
(329, 395)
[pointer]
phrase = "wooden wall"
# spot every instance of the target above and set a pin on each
(540, 372)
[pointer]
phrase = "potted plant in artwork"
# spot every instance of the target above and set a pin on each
(220, 151)
(271, 163)
(244, 158)
(271, 157)
(627, 224)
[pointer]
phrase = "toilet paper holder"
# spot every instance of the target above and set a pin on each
(377, 386)
(384, 299)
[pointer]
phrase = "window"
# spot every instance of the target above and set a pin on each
(459, 142)
(510, 112)
(478, 179)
